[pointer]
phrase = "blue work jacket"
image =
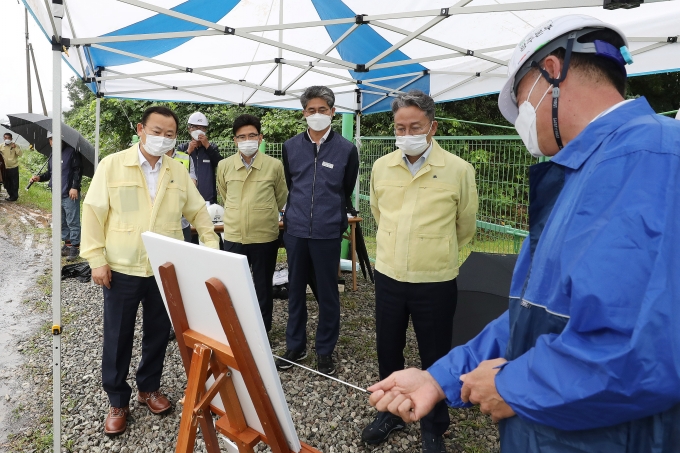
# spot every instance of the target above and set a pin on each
(592, 335)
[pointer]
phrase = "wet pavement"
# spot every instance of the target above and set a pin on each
(24, 256)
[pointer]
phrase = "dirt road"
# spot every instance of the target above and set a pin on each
(24, 256)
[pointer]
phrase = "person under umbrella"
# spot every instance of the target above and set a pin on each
(71, 177)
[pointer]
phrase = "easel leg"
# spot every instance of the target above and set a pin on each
(195, 388)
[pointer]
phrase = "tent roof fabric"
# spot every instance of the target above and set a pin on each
(266, 52)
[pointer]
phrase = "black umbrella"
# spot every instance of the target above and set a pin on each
(34, 129)
(362, 251)
(483, 293)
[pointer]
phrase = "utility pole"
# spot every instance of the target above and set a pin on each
(28, 68)
(37, 79)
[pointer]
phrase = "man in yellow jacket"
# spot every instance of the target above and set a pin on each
(11, 152)
(253, 190)
(424, 201)
(133, 191)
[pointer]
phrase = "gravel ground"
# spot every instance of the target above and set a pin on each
(327, 415)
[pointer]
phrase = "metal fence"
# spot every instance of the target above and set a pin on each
(502, 173)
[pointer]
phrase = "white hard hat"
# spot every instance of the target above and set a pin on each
(49, 134)
(198, 119)
(546, 38)
(216, 213)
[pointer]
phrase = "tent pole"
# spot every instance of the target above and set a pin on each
(357, 142)
(58, 12)
(96, 133)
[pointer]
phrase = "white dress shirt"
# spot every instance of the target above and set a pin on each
(246, 164)
(323, 139)
(417, 165)
(150, 174)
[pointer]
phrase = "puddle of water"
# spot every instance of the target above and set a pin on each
(19, 268)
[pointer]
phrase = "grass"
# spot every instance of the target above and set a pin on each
(38, 196)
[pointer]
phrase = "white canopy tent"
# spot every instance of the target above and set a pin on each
(266, 52)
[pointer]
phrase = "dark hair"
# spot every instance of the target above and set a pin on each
(7, 133)
(599, 68)
(247, 120)
(415, 98)
(161, 111)
(317, 91)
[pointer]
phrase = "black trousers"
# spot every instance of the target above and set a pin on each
(120, 310)
(431, 307)
(187, 234)
(12, 182)
(262, 260)
(323, 255)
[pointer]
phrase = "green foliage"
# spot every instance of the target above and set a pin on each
(38, 196)
(280, 125)
(661, 90)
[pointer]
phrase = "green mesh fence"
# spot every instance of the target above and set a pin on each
(502, 173)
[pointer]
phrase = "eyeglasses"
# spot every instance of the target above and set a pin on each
(193, 127)
(322, 110)
(416, 129)
(242, 138)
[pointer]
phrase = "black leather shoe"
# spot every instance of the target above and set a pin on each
(290, 356)
(433, 444)
(380, 428)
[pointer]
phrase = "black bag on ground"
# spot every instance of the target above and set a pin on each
(79, 271)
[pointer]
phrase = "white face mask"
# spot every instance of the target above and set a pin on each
(412, 145)
(248, 147)
(526, 122)
(8, 142)
(196, 135)
(318, 121)
(157, 146)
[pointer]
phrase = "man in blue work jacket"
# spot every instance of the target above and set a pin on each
(586, 359)
(321, 169)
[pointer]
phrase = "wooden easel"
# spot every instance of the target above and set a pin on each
(202, 357)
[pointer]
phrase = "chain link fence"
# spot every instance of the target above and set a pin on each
(502, 173)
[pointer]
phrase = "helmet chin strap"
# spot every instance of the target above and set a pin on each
(555, 82)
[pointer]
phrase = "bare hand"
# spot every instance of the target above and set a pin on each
(35, 178)
(479, 387)
(192, 146)
(410, 394)
(204, 141)
(102, 276)
(73, 194)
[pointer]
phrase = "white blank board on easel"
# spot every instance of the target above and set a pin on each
(194, 265)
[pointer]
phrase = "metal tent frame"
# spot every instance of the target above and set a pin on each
(358, 86)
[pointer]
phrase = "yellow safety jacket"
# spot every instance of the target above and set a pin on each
(424, 219)
(11, 154)
(182, 158)
(118, 209)
(252, 198)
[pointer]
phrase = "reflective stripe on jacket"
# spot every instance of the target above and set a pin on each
(118, 209)
(592, 333)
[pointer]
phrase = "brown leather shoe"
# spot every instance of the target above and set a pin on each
(116, 421)
(155, 401)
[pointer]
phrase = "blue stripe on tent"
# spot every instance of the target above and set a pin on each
(210, 10)
(362, 46)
